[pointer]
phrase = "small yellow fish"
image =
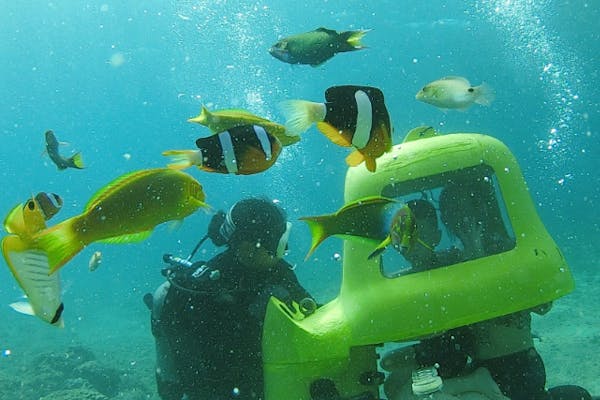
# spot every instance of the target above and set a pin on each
(29, 265)
(124, 211)
(27, 219)
(95, 261)
(455, 92)
(223, 120)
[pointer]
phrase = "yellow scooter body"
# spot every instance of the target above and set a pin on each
(337, 342)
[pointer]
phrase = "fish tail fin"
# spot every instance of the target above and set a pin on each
(301, 114)
(60, 243)
(353, 38)
(318, 231)
(182, 159)
(77, 161)
(485, 94)
(203, 117)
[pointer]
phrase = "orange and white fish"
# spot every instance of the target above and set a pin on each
(352, 116)
(242, 150)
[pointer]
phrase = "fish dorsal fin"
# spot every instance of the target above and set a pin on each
(323, 29)
(333, 134)
(420, 132)
(107, 190)
(382, 201)
(456, 78)
(128, 238)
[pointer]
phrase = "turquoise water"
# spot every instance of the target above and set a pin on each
(118, 82)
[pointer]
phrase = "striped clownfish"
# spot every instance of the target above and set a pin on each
(352, 116)
(242, 150)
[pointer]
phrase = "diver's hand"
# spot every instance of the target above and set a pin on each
(258, 306)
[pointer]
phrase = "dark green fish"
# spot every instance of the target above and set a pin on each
(316, 47)
(61, 162)
(366, 218)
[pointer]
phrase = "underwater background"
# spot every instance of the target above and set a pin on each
(118, 80)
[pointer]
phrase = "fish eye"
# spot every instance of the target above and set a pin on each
(31, 205)
(471, 90)
(424, 89)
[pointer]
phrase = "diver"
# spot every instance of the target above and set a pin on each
(425, 235)
(207, 317)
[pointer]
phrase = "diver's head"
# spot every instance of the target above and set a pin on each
(257, 231)
(462, 206)
(427, 222)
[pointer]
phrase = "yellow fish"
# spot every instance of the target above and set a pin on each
(124, 211)
(27, 219)
(30, 265)
(366, 218)
(223, 120)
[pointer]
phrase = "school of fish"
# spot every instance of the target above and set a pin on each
(238, 142)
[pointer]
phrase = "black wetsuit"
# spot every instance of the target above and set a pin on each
(213, 335)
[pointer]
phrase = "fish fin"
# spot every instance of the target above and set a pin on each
(22, 307)
(182, 159)
(60, 242)
(287, 140)
(456, 78)
(29, 267)
(174, 225)
(301, 114)
(355, 158)
(485, 94)
(128, 238)
(420, 132)
(201, 118)
(333, 134)
(318, 232)
(380, 247)
(353, 38)
(326, 30)
(371, 164)
(77, 161)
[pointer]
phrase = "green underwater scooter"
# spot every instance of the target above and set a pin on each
(333, 350)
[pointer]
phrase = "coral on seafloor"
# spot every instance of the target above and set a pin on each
(75, 394)
(70, 374)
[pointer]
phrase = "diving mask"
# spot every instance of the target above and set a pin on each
(276, 246)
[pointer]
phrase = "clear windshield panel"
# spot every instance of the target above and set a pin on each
(458, 216)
